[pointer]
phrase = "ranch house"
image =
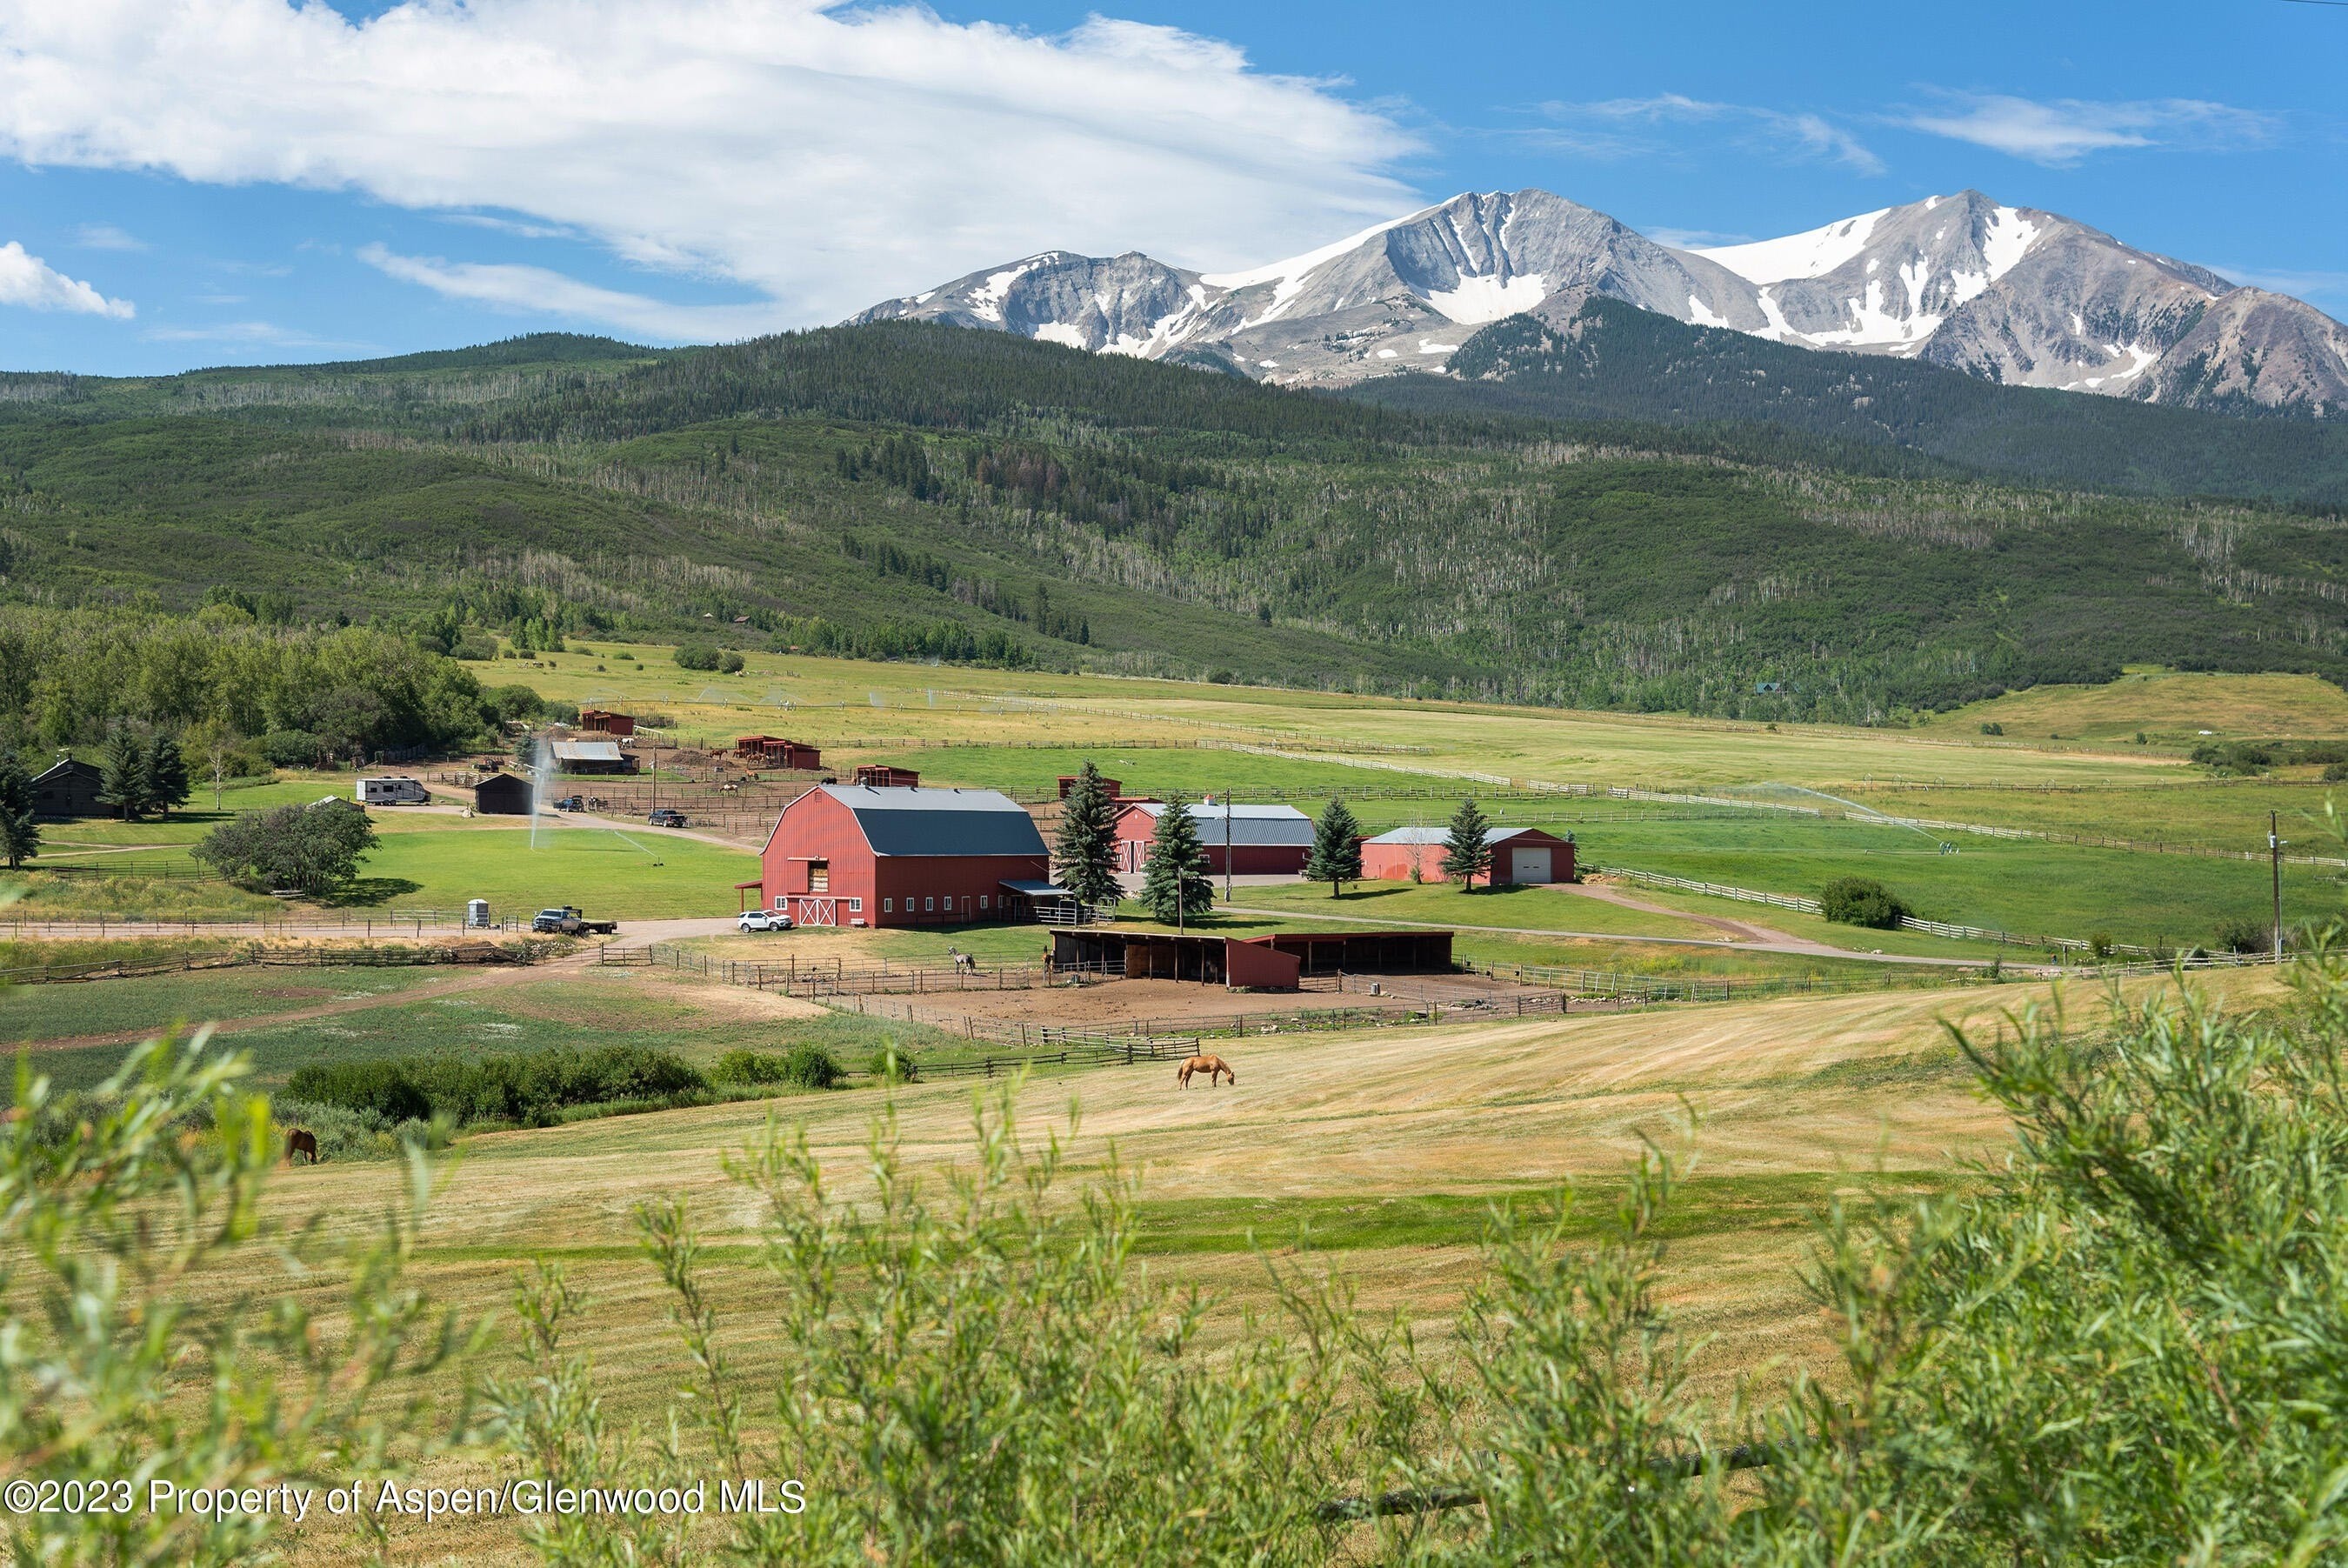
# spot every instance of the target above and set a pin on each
(1265, 840)
(69, 789)
(848, 854)
(1520, 855)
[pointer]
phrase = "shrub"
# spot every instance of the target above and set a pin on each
(1861, 901)
(691, 658)
(2101, 944)
(1993, 729)
(749, 1067)
(730, 662)
(532, 1089)
(891, 1062)
(2244, 934)
(812, 1067)
(2335, 773)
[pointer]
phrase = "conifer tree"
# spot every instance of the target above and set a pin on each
(122, 776)
(167, 775)
(20, 830)
(1335, 857)
(1466, 855)
(1174, 885)
(1086, 848)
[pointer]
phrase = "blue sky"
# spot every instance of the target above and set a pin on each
(253, 181)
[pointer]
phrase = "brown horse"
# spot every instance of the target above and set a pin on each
(1211, 1066)
(301, 1140)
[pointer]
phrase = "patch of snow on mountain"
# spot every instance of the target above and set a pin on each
(986, 302)
(1773, 316)
(1873, 326)
(1810, 254)
(2078, 326)
(925, 296)
(2142, 356)
(1060, 332)
(1483, 299)
(1426, 348)
(1964, 285)
(2008, 240)
(1294, 268)
(1702, 315)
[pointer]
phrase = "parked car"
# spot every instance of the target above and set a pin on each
(666, 817)
(763, 920)
(571, 921)
(571, 803)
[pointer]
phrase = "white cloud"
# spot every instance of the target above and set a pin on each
(27, 281)
(1789, 133)
(822, 156)
(106, 237)
(2061, 132)
(537, 290)
(250, 333)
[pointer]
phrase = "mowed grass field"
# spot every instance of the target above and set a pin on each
(2172, 709)
(1385, 1148)
(285, 1018)
(855, 707)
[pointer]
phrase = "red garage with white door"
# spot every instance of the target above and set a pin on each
(848, 854)
(1520, 855)
(1264, 841)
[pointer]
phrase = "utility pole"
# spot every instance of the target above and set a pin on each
(1227, 846)
(2274, 853)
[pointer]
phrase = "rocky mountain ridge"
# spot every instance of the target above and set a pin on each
(2012, 294)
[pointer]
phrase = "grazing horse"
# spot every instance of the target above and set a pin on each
(1212, 1067)
(962, 962)
(301, 1140)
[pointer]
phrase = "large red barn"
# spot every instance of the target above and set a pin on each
(1519, 855)
(848, 854)
(1265, 840)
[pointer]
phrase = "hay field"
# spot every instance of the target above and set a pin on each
(1393, 1138)
(2171, 708)
(833, 702)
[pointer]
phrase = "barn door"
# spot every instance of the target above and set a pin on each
(819, 911)
(1529, 865)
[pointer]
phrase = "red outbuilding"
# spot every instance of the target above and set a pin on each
(1519, 855)
(880, 775)
(1115, 787)
(774, 751)
(848, 854)
(604, 721)
(1265, 840)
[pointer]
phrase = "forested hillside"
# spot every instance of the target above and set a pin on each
(912, 491)
(1615, 361)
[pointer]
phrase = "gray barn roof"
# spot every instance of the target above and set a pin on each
(1281, 825)
(1443, 835)
(940, 822)
(587, 751)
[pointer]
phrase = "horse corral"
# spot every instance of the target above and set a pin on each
(1279, 962)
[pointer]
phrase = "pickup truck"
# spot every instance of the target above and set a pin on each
(570, 922)
(666, 817)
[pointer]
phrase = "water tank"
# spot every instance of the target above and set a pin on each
(476, 915)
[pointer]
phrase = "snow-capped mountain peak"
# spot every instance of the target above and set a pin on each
(2011, 294)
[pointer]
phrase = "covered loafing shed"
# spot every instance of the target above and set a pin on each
(1276, 962)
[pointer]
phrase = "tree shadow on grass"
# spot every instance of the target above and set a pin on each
(370, 892)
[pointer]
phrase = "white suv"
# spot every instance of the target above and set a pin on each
(763, 920)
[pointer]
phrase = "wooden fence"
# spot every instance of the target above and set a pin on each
(287, 958)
